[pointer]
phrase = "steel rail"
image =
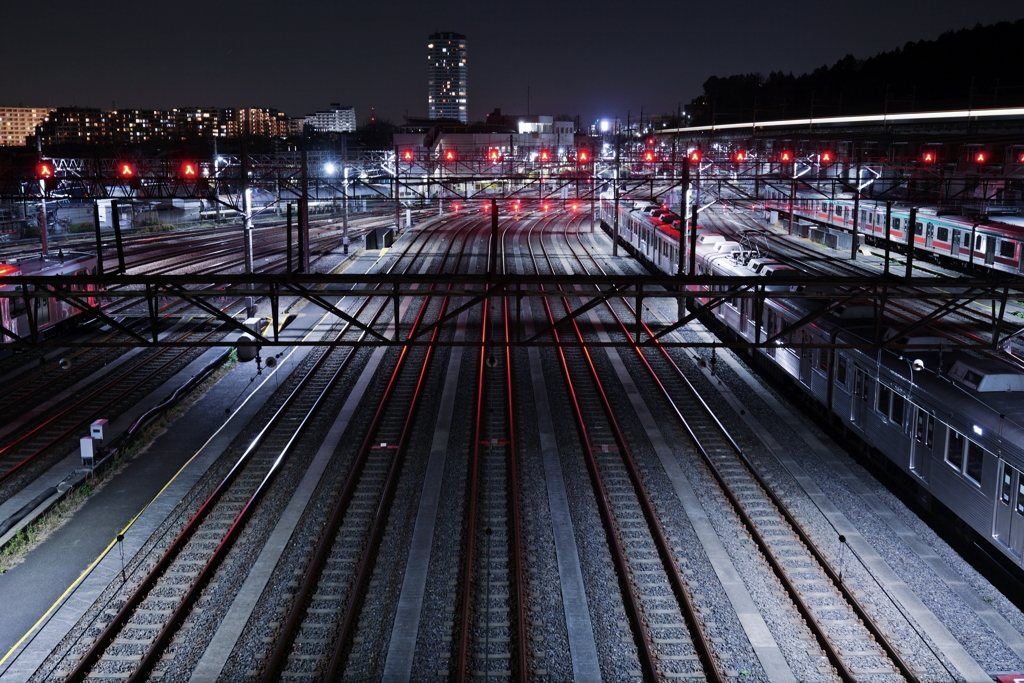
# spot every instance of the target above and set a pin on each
(25, 436)
(642, 638)
(831, 651)
(702, 644)
(314, 570)
(177, 546)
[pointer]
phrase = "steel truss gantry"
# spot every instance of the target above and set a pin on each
(142, 296)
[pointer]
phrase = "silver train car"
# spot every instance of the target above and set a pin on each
(983, 243)
(952, 421)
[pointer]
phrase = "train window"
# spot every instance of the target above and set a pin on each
(925, 428)
(897, 408)
(18, 307)
(895, 223)
(955, 449)
(823, 360)
(1020, 495)
(839, 210)
(918, 228)
(1006, 248)
(884, 396)
(841, 370)
(943, 234)
(1007, 488)
(975, 461)
(978, 239)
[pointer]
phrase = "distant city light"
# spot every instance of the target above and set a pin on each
(330, 168)
(605, 125)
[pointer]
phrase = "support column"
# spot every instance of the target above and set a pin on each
(856, 211)
(99, 239)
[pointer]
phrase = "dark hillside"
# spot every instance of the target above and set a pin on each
(978, 67)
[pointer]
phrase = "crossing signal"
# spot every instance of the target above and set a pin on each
(408, 156)
(583, 156)
(649, 156)
(695, 156)
(450, 156)
(44, 170)
(189, 170)
(494, 154)
(125, 170)
(786, 156)
(544, 156)
(929, 157)
(826, 157)
(740, 156)
(980, 157)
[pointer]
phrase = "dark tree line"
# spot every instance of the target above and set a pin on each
(977, 67)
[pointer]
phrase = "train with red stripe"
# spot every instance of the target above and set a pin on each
(983, 243)
(24, 317)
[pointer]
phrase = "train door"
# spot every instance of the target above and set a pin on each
(990, 250)
(955, 248)
(806, 356)
(929, 236)
(1009, 518)
(859, 402)
(921, 444)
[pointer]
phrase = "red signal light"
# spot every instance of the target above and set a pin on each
(546, 206)
(695, 156)
(650, 141)
(515, 206)
(44, 170)
(545, 155)
(575, 206)
(1021, 159)
(456, 207)
(493, 154)
(583, 156)
(649, 156)
(741, 156)
(980, 158)
(189, 170)
(449, 155)
(125, 169)
(407, 155)
(786, 157)
(929, 157)
(826, 157)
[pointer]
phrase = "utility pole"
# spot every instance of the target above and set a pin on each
(398, 203)
(246, 208)
(304, 215)
(856, 210)
(216, 190)
(615, 221)
(344, 214)
(42, 199)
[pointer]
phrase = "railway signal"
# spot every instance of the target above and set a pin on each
(740, 156)
(494, 154)
(408, 156)
(189, 170)
(583, 156)
(929, 156)
(827, 157)
(649, 157)
(125, 170)
(786, 156)
(44, 170)
(980, 157)
(450, 156)
(695, 156)
(544, 156)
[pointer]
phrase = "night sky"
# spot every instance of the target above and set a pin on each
(593, 59)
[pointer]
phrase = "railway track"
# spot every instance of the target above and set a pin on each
(854, 644)
(667, 630)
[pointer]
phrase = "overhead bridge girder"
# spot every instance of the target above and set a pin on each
(939, 302)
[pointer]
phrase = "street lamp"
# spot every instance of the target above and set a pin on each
(916, 364)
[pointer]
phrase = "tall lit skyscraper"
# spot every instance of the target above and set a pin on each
(448, 80)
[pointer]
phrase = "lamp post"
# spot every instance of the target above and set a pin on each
(916, 364)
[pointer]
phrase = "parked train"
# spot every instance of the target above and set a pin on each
(952, 421)
(47, 315)
(998, 242)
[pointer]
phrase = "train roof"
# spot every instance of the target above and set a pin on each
(50, 264)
